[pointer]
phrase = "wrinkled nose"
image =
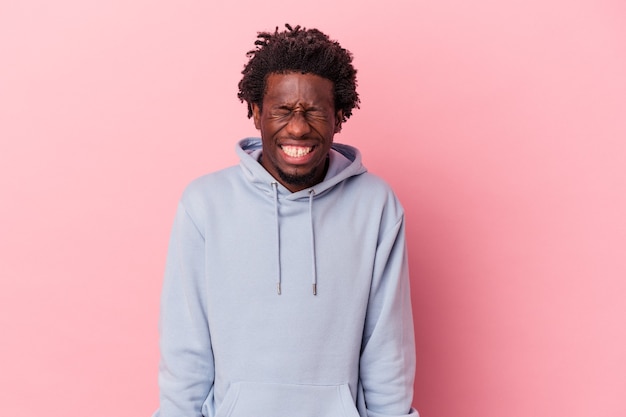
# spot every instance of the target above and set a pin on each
(298, 126)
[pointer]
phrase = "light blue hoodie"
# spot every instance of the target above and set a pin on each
(280, 304)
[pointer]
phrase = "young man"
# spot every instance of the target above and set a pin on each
(286, 291)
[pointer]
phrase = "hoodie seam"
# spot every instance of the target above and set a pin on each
(195, 225)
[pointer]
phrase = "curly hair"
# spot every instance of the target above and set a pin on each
(299, 50)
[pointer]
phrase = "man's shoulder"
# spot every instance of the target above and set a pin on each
(211, 184)
(374, 192)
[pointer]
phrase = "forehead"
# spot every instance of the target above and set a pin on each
(295, 87)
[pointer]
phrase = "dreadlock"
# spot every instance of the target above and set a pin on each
(299, 50)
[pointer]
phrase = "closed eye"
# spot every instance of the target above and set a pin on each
(281, 111)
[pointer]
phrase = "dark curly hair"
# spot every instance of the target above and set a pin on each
(299, 50)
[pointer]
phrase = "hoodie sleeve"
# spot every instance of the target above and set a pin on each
(186, 369)
(387, 365)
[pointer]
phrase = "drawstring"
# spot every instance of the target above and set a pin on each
(314, 267)
(313, 263)
(278, 278)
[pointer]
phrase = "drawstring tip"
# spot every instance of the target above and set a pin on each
(278, 288)
(314, 289)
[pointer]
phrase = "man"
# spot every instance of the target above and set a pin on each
(286, 291)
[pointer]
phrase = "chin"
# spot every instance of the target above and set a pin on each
(297, 178)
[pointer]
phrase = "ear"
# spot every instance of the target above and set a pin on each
(256, 115)
(338, 120)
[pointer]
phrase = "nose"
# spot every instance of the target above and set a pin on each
(298, 125)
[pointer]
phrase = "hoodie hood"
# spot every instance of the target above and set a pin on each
(345, 162)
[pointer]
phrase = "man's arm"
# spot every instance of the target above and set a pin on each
(186, 370)
(387, 367)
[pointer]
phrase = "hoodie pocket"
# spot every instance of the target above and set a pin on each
(254, 399)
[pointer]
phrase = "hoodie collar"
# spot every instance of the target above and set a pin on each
(345, 162)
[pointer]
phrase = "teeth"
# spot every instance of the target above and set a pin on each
(296, 151)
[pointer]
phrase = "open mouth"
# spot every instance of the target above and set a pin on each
(296, 151)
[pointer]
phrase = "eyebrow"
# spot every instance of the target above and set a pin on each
(289, 106)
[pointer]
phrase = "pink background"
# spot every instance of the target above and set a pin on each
(501, 125)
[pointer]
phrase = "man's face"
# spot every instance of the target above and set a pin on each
(297, 125)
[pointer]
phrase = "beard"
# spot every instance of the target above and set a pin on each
(298, 180)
